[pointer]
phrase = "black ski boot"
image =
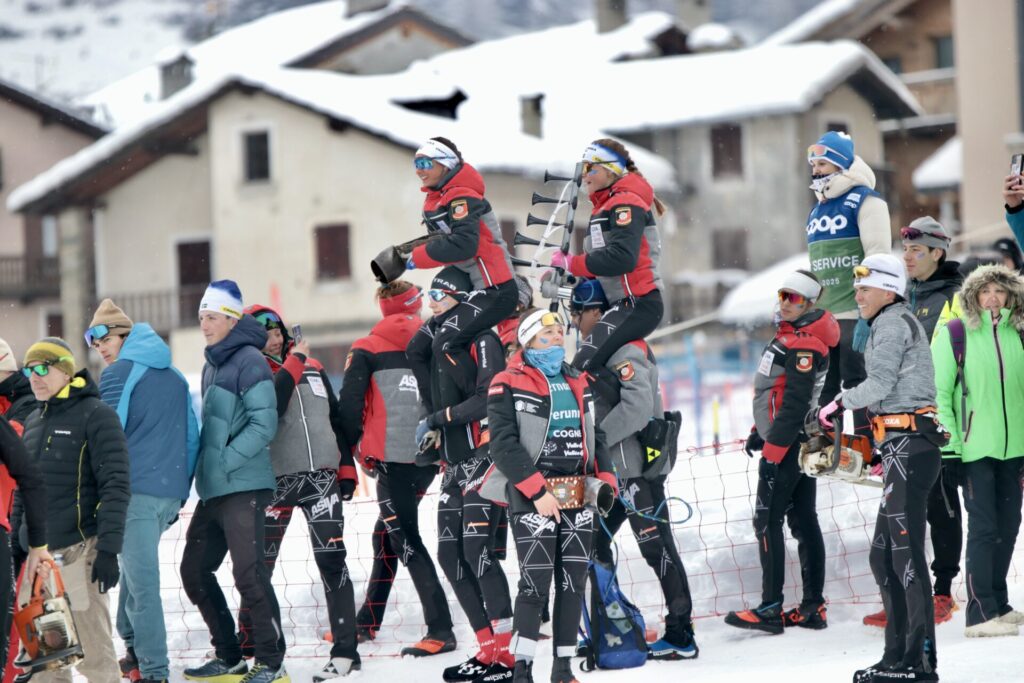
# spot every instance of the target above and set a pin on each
(523, 672)
(807, 616)
(767, 618)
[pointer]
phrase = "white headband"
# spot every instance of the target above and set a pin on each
(534, 323)
(439, 152)
(802, 284)
(598, 154)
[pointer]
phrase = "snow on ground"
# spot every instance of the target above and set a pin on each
(718, 548)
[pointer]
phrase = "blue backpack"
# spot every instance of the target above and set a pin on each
(614, 631)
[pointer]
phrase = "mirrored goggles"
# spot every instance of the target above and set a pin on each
(792, 297)
(42, 369)
(864, 271)
(817, 150)
(423, 163)
(97, 332)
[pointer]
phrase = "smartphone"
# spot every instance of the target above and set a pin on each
(297, 332)
(1016, 163)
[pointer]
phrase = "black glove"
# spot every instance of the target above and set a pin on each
(754, 443)
(951, 470)
(347, 487)
(105, 571)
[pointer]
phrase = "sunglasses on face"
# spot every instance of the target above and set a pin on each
(792, 297)
(98, 332)
(423, 163)
(42, 369)
(591, 166)
(821, 150)
(864, 271)
(269, 320)
(909, 233)
(438, 294)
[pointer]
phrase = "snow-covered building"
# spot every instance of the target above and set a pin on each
(347, 36)
(289, 182)
(914, 38)
(35, 133)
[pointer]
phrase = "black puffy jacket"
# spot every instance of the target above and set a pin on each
(77, 441)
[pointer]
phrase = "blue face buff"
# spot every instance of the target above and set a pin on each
(548, 361)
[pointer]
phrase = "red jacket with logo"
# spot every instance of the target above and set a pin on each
(379, 402)
(790, 377)
(470, 235)
(622, 246)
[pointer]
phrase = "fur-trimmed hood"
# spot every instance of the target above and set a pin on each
(1005, 278)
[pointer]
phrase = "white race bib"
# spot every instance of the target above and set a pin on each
(596, 236)
(765, 366)
(316, 384)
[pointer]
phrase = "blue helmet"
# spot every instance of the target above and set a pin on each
(588, 294)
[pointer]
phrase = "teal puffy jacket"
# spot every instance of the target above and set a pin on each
(239, 415)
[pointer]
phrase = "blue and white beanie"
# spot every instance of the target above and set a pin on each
(835, 147)
(599, 154)
(223, 296)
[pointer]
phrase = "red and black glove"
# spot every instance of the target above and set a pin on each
(774, 454)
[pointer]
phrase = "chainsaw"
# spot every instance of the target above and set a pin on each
(46, 627)
(830, 454)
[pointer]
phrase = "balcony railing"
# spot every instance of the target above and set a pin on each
(165, 310)
(29, 278)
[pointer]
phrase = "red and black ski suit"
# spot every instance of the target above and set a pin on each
(470, 239)
(787, 384)
(380, 408)
(622, 250)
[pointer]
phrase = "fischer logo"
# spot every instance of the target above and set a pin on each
(408, 383)
(829, 224)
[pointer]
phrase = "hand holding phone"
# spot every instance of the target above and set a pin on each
(1016, 163)
(297, 333)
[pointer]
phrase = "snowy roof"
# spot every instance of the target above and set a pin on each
(49, 109)
(278, 39)
(943, 170)
(807, 25)
(754, 301)
(722, 86)
(712, 36)
(361, 101)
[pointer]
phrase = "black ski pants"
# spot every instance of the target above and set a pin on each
(400, 487)
(483, 308)
(233, 524)
(465, 549)
(911, 466)
(7, 583)
(317, 494)
(945, 520)
(657, 546)
(549, 549)
(626, 321)
(992, 496)
(783, 491)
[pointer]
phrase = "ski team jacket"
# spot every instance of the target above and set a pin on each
(308, 437)
(460, 397)
(993, 374)
(627, 397)
(470, 233)
(77, 442)
(898, 360)
(930, 298)
(790, 377)
(20, 468)
(507, 330)
(518, 412)
(154, 406)
(239, 415)
(379, 404)
(849, 222)
(622, 248)
(16, 403)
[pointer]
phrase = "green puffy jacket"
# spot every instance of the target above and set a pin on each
(988, 426)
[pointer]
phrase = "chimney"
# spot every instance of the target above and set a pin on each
(611, 14)
(175, 75)
(693, 13)
(354, 7)
(531, 111)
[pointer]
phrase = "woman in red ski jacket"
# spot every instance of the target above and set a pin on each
(622, 250)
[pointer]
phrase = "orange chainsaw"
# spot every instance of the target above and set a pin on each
(46, 626)
(833, 455)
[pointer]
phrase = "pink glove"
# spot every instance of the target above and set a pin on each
(560, 260)
(826, 413)
(877, 470)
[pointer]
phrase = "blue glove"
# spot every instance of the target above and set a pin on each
(409, 265)
(860, 335)
(421, 430)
